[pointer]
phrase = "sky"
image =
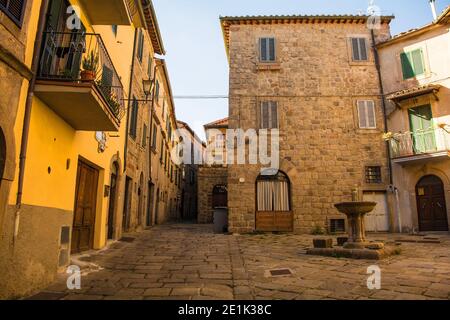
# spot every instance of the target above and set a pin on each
(196, 57)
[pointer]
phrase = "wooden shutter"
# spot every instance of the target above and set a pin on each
(263, 49)
(366, 114)
(271, 49)
(417, 61)
(154, 137)
(273, 115)
(140, 45)
(359, 49)
(13, 9)
(265, 115)
(134, 116)
(144, 136)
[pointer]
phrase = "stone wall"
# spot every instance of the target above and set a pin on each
(316, 85)
(208, 178)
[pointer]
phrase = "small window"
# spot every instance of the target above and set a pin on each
(373, 175)
(269, 115)
(134, 118)
(140, 49)
(366, 114)
(359, 49)
(337, 225)
(14, 9)
(114, 28)
(267, 50)
(412, 64)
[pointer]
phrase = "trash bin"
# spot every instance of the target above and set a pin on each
(220, 220)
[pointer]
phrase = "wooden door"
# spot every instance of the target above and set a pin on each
(378, 219)
(431, 206)
(421, 123)
(85, 208)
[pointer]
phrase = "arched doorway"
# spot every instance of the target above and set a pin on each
(431, 207)
(2, 155)
(158, 199)
(112, 199)
(220, 197)
(140, 199)
(273, 204)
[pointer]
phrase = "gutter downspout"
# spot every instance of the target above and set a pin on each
(27, 116)
(392, 188)
(383, 103)
(125, 151)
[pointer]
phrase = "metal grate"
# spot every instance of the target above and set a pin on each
(373, 175)
(337, 225)
(280, 272)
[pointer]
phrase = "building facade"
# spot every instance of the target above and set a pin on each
(315, 80)
(192, 154)
(66, 195)
(212, 175)
(416, 77)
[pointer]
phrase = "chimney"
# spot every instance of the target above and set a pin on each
(433, 8)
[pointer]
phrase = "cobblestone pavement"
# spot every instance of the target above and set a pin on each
(191, 262)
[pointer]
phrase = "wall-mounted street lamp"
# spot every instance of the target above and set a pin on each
(147, 87)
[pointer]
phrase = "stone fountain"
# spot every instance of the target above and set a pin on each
(357, 246)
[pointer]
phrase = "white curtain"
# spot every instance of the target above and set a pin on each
(273, 196)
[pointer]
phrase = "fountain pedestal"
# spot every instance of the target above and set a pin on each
(355, 212)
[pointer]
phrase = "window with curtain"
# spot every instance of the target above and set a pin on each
(273, 193)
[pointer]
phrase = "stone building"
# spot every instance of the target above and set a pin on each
(165, 173)
(315, 79)
(415, 70)
(139, 197)
(212, 175)
(194, 150)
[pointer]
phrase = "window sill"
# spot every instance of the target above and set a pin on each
(361, 63)
(268, 66)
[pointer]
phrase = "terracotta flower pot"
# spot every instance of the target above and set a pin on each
(87, 75)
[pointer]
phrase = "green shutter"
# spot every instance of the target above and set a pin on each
(408, 71)
(417, 59)
(422, 128)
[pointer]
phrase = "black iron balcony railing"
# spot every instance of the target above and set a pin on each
(80, 58)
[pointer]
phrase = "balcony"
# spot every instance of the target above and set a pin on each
(77, 80)
(107, 12)
(420, 146)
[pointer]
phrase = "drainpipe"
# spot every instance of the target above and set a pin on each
(383, 103)
(27, 115)
(129, 101)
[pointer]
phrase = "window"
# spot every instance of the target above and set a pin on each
(337, 225)
(140, 49)
(134, 118)
(272, 193)
(220, 138)
(373, 175)
(154, 137)
(366, 114)
(359, 49)
(162, 151)
(412, 64)
(269, 115)
(114, 28)
(14, 9)
(157, 90)
(267, 50)
(144, 136)
(149, 67)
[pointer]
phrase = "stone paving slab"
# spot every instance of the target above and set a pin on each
(190, 262)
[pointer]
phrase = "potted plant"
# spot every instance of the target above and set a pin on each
(90, 67)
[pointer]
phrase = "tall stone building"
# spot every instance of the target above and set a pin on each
(139, 194)
(416, 78)
(193, 152)
(315, 79)
(212, 175)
